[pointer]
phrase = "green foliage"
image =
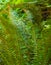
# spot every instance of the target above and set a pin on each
(25, 37)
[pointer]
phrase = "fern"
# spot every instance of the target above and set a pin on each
(24, 37)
